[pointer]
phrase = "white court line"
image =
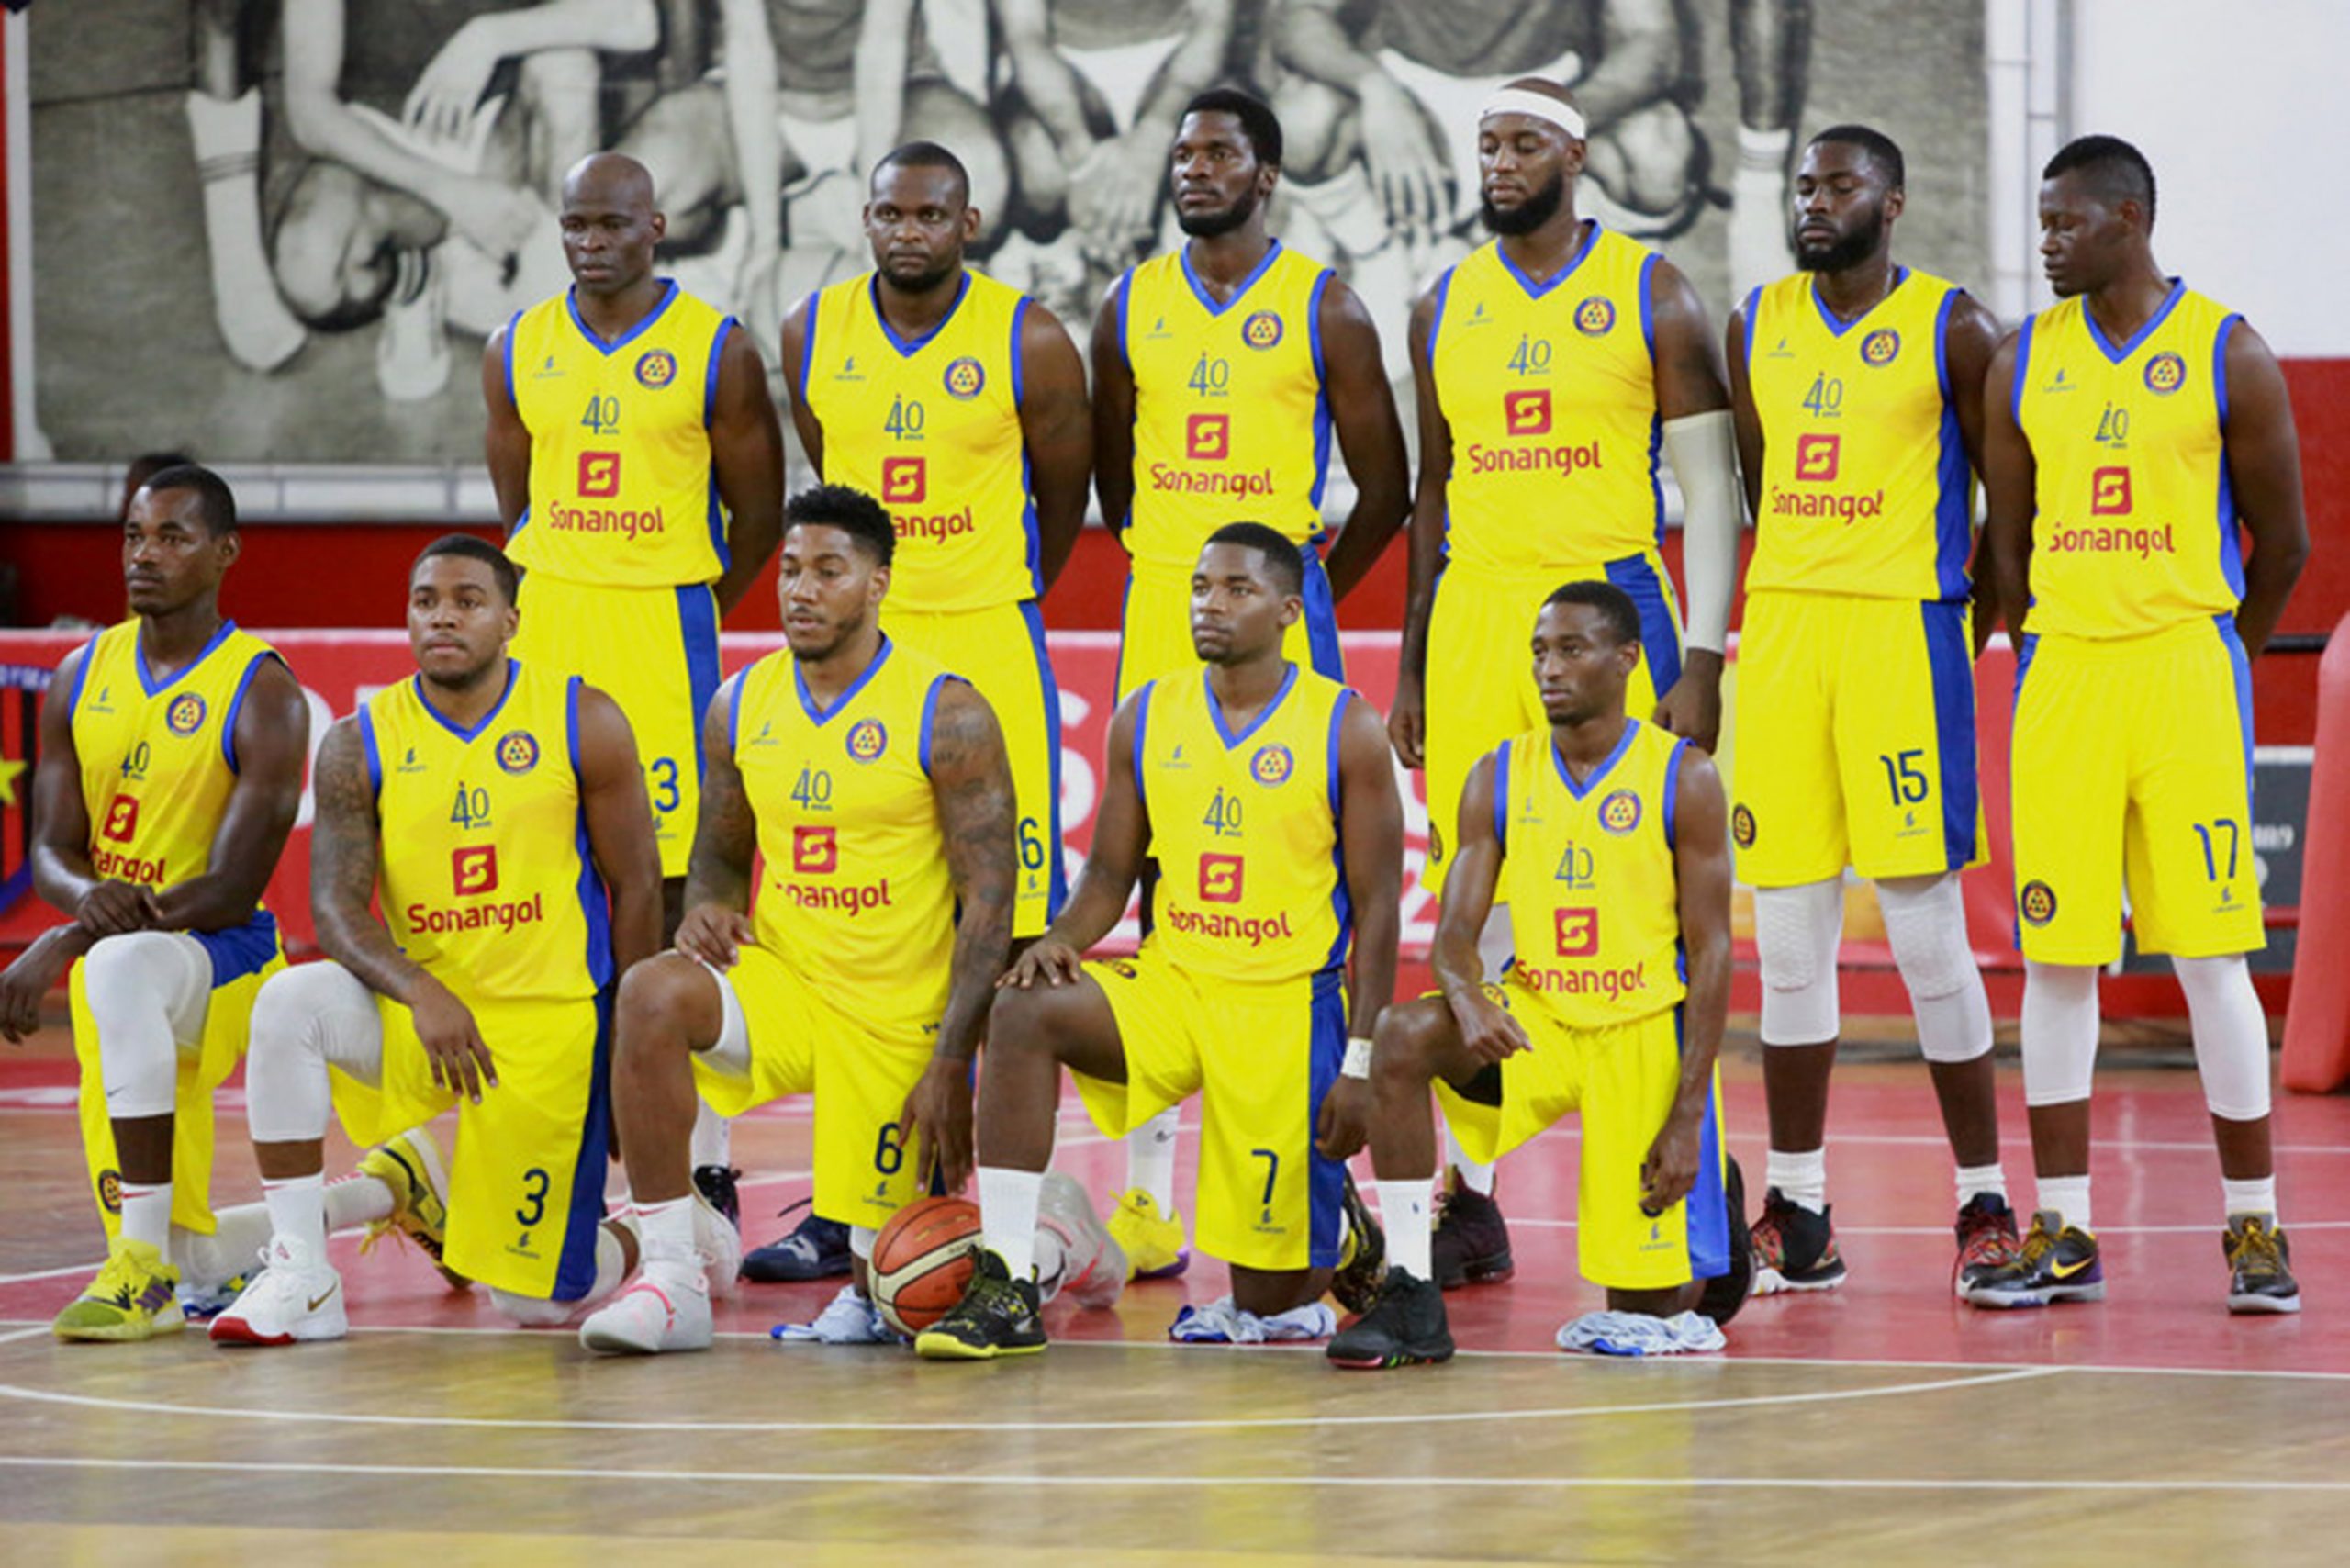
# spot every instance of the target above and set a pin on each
(1943, 1230)
(900, 1479)
(508, 1423)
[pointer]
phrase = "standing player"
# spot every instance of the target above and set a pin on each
(873, 784)
(2130, 431)
(1266, 792)
(1548, 366)
(1606, 838)
(479, 984)
(1219, 371)
(171, 747)
(1858, 386)
(639, 467)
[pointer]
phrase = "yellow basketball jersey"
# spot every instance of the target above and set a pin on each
(932, 427)
(1865, 483)
(1550, 393)
(855, 897)
(158, 758)
(1587, 869)
(1245, 827)
(2134, 527)
(485, 876)
(1230, 417)
(621, 488)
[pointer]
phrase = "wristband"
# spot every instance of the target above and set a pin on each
(1358, 1062)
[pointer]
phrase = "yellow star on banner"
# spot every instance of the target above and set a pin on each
(9, 769)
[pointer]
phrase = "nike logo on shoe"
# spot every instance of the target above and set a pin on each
(317, 1302)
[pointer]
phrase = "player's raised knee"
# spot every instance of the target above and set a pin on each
(1405, 1043)
(662, 997)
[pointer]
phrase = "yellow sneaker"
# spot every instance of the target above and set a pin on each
(132, 1298)
(410, 1166)
(1153, 1242)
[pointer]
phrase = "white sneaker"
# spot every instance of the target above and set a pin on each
(720, 1246)
(849, 1318)
(1076, 1254)
(668, 1311)
(297, 1296)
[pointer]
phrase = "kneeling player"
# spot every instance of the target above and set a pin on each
(495, 802)
(874, 785)
(1605, 838)
(1266, 793)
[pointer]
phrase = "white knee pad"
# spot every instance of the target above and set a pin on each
(2230, 1035)
(1796, 932)
(304, 1019)
(1926, 924)
(530, 1312)
(147, 992)
(2059, 1032)
(732, 1053)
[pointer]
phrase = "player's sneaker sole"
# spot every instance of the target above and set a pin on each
(1770, 1281)
(947, 1348)
(2263, 1305)
(2038, 1296)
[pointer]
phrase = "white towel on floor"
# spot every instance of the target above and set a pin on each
(1221, 1323)
(1637, 1333)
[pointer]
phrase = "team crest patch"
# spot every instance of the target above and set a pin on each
(2166, 374)
(1881, 347)
(1271, 764)
(518, 751)
(1620, 813)
(1261, 330)
(2037, 903)
(655, 368)
(867, 740)
(1594, 316)
(1742, 827)
(1122, 968)
(1435, 844)
(965, 377)
(185, 715)
(111, 1191)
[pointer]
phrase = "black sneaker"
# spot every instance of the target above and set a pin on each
(2056, 1262)
(2260, 1266)
(1471, 1242)
(1725, 1293)
(716, 1182)
(815, 1250)
(1986, 1238)
(1356, 1281)
(997, 1316)
(1404, 1328)
(1795, 1249)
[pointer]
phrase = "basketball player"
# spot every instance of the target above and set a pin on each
(1858, 387)
(171, 747)
(874, 786)
(1219, 371)
(477, 986)
(639, 467)
(1547, 367)
(2130, 431)
(1606, 838)
(1266, 793)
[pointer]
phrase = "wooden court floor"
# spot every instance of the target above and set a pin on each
(1883, 1424)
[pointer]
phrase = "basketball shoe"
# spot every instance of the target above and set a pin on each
(132, 1298)
(2260, 1266)
(2056, 1262)
(849, 1318)
(1362, 1264)
(1152, 1242)
(410, 1166)
(1471, 1242)
(997, 1316)
(720, 1244)
(817, 1248)
(298, 1295)
(1076, 1256)
(1986, 1238)
(1795, 1249)
(666, 1307)
(1404, 1328)
(716, 1182)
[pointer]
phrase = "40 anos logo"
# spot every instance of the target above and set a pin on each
(965, 378)
(1620, 813)
(1271, 764)
(185, 715)
(655, 368)
(867, 740)
(1261, 330)
(2166, 374)
(1881, 347)
(1594, 316)
(518, 751)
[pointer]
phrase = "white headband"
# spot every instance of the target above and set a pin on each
(1539, 106)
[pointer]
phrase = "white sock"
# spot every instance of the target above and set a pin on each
(713, 1138)
(1007, 1200)
(1151, 1160)
(147, 1216)
(1973, 1180)
(297, 1209)
(1403, 1203)
(2249, 1197)
(665, 1232)
(1475, 1175)
(2069, 1196)
(357, 1200)
(1800, 1178)
(861, 1238)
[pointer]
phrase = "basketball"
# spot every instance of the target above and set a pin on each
(922, 1261)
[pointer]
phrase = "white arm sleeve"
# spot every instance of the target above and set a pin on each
(1704, 450)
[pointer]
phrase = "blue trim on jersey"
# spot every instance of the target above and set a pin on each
(1501, 795)
(1837, 326)
(512, 323)
(1648, 304)
(710, 373)
(1314, 321)
(714, 512)
(513, 670)
(2146, 330)
(1754, 309)
(608, 348)
(595, 901)
(2241, 662)
(1669, 806)
(1660, 638)
(734, 712)
(367, 744)
(236, 706)
(1207, 301)
(930, 717)
(1049, 689)
(575, 1272)
(240, 950)
(1342, 902)
(1019, 366)
(1326, 1179)
(80, 674)
(698, 630)
(1953, 680)
(1953, 476)
(1708, 1214)
(821, 716)
(1216, 708)
(2029, 647)
(1436, 318)
(2231, 539)
(2023, 363)
(1122, 291)
(1535, 291)
(1321, 392)
(909, 347)
(807, 348)
(1142, 723)
(146, 681)
(1582, 790)
(1656, 478)
(1321, 643)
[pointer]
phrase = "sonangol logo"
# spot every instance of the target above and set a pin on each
(2037, 903)
(655, 368)
(1880, 347)
(473, 869)
(1817, 457)
(1208, 437)
(1620, 813)
(600, 475)
(1594, 315)
(1742, 827)
(1527, 411)
(518, 751)
(1261, 330)
(965, 377)
(2166, 374)
(906, 481)
(867, 740)
(1271, 764)
(185, 715)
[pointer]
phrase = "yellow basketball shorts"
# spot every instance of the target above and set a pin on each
(242, 959)
(1855, 739)
(2131, 767)
(1155, 625)
(1622, 1078)
(655, 652)
(803, 1042)
(1001, 650)
(1260, 1057)
(1480, 690)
